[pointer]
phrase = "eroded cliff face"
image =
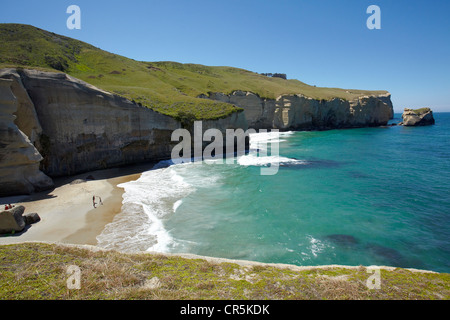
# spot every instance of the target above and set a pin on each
(74, 127)
(56, 125)
(19, 159)
(297, 112)
(77, 127)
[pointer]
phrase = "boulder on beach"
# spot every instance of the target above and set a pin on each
(31, 218)
(417, 117)
(11, 220)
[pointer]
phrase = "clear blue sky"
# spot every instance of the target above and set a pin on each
(320, 42)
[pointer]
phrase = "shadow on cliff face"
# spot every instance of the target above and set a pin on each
(47, 194)
(117, 172)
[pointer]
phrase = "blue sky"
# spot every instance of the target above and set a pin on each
(320, 42)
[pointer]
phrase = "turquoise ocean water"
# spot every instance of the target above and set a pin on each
(372, 196)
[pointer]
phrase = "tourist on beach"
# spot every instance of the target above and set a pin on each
(93, 200)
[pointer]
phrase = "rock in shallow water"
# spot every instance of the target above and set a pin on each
(391, 256)
(342, 239)
(418, 117)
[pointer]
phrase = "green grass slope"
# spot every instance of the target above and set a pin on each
(168, 87)
(39, 271)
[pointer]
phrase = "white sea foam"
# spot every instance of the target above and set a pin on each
(158, 193)
(254, 160)
(261, 141)
(176, 205)
(260, 144)
(316, 246)
(270, 135)
(146, 203)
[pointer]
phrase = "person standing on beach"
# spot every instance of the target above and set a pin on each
(93, 201)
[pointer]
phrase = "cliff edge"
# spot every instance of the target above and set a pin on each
(69, 127)
(298, 112)
(76, 108)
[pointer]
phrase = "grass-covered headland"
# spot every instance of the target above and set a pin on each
(40, 271)
(168, 87)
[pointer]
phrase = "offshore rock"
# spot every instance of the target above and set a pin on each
(417, 117)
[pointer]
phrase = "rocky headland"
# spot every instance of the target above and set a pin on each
(68, 107)
(57, 125)
(297, 112)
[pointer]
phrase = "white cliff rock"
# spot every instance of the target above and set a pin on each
(27, 121)
(19, 159)
(297, 112)
(418, 117)
(64, 126)
(85, 128)
(77, 127)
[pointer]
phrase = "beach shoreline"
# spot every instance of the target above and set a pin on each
(68, 217)
(67, 212)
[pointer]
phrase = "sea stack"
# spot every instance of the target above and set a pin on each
(417, 117)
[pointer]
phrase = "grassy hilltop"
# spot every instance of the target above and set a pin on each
(168, 87)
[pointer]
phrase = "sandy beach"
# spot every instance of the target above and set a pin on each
(67, 212)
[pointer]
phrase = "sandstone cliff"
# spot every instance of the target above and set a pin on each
(19, 159)
(64, 126)
(77, 127)
(297, 112)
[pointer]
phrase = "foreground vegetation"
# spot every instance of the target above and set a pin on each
(168, 87)
(421, 111)
(39, 271)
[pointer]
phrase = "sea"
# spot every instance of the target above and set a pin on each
(369, 196)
